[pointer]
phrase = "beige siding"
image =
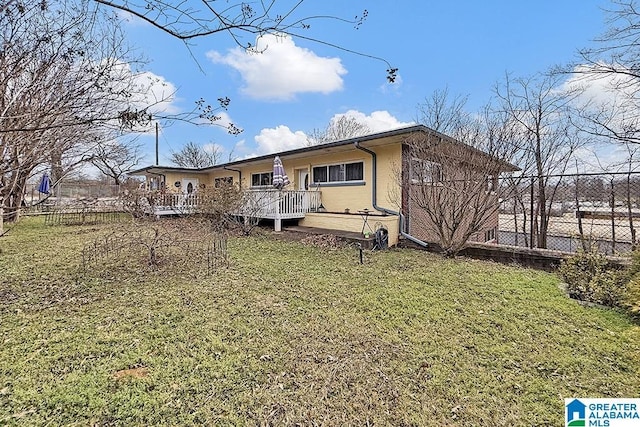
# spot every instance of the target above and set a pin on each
(353, 197)
(352, 223)
(172, 177)
(389, 159)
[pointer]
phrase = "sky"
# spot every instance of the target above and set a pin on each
(295, 86)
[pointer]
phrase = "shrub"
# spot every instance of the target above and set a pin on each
(632, 296)
(590, 277)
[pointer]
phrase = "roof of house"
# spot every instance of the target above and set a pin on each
(299, 152)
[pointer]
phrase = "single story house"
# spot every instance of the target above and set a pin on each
(357, 185)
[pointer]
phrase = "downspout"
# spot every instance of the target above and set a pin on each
(239, 174)
(374, 196)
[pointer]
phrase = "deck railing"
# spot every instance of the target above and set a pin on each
(269, 204)
(177, 200)
(274, 204)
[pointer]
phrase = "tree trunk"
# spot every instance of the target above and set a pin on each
(630, 213)
(544, 217)
(583, 242)
(14, 201)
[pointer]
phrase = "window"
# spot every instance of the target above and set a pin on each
(354, 171)
(425, 171)
(223, 182)
(490, 235)
(261, 179)
(343, 172)
(492, 184)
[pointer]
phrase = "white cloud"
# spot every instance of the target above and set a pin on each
(146, 91)
(280, 138)
(598, 88)
(601, 157)
(154, 93)
(223, 122)
(131, 19)
(278, 69)
(377, 121)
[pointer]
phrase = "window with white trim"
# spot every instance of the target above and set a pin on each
(490, 235)
(425, 171)
(223, 181)
(262, 179)
(338, 173)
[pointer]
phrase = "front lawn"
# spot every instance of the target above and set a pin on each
(293, 334)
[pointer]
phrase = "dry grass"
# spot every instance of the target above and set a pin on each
(295, 334)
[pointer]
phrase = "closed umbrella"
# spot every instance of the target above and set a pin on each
(280, 178)
(45, 184)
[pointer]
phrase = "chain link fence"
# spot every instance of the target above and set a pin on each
(74, 190)
(68, 195)
(599, 211)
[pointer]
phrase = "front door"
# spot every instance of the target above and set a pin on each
(303, 185)
(303, 179)
(189, 186)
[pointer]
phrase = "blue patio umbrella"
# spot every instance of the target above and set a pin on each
(45, 184)
(280, 178)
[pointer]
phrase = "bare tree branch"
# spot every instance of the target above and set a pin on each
(195, 156)
(190, 19)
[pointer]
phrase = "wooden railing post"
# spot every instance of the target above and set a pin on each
(278, 220)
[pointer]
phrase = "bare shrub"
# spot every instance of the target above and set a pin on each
(173, 245)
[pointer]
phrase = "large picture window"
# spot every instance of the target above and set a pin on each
(261, 179)
(342, 172)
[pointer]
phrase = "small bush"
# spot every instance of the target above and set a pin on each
(590, 277)
(632, 296)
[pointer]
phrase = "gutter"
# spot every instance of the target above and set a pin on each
(374, 197)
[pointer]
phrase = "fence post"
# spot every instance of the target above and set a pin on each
(1, 215)
(531, 214)
(613, 218)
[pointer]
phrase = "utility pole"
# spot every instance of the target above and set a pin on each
(157, 161)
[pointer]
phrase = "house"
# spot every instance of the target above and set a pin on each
(576, 412)
(358, 185)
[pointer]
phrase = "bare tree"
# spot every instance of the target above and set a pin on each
(612, 65)
(195, 156)
(65, 78)
(446, 114)
(453, 182)
(115, 158)
(344, 127)
(545, 119)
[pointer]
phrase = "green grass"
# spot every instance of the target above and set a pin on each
(294, 334)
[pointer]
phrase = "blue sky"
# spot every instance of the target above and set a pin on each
(296, 85)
